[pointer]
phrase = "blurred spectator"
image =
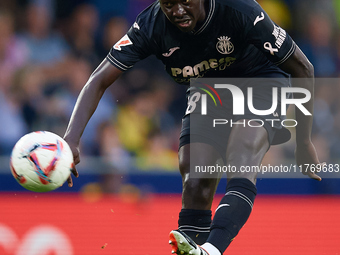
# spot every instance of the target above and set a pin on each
(8, 5)
(13, 51)
(303, 8)
(149, 111)
(130, 83)
(158, 154)
(65, 8)
(49, 5)
(114, 30)
(140, 112)
(337, 45)
(28, 88)
(117, 161)
(112, 150)
(336, 4)
(278, 11)
(12, 124)
(323, 115)
(81, 33)
(326, 116)
(135, 7)
(107, 11)
(163, 95)
(318, 45)
(47, 48)
(45, 45)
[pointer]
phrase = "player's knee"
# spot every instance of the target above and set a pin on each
(184, 166)
(199, 190)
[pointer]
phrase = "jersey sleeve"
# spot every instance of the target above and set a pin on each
(268, 37)
(131, 48)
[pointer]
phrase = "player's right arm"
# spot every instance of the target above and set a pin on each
(87, 102)
(137, 44)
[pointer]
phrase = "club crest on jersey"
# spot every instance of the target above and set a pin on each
(224, 45)
(125, 41)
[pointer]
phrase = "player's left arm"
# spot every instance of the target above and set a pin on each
(276, 44)
(302, 72)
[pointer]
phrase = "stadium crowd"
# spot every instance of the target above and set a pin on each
(49, 48)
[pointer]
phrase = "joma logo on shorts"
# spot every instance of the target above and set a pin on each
(193, 71)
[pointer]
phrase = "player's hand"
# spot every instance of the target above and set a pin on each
(76, 160)
(307, 157)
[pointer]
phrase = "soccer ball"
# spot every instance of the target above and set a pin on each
(41, 161)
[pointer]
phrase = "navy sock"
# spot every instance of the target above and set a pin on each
(195, 223)
(232, 213)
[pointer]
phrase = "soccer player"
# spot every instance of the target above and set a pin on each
(210, 38)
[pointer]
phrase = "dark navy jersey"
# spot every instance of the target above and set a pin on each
(237, 39)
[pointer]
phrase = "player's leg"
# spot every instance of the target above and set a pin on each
(198, 193)
(246, 147)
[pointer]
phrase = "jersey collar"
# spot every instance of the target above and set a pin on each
(208, 19)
